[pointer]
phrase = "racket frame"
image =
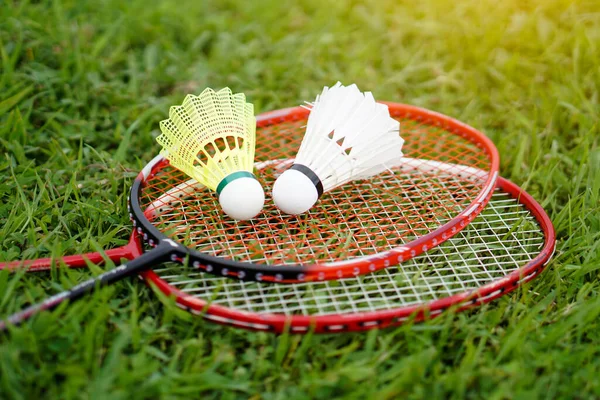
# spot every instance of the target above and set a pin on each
(328, 323)
(374, 319)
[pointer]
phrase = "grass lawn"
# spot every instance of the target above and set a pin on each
(84, 84)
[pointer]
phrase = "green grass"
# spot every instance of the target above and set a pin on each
(84, 84)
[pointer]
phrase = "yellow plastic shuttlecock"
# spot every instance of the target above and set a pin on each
(211, 138)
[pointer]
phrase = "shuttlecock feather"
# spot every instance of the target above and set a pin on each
(211, 138)
(348, 136)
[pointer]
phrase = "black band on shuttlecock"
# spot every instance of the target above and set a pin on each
(232, 177)
(310, 175)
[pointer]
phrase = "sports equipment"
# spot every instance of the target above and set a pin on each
(447, 177)
(348, 137)
(360, 227)
(211, 137)
(509, 244)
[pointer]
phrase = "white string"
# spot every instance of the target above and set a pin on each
(480, 254)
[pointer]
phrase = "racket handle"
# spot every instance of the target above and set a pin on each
(159, 254)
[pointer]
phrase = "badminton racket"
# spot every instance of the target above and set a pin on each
(448, 178)
(509, 244)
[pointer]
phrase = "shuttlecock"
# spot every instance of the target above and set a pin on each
(211, 138)
(348, 136)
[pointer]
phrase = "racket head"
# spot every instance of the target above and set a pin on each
(508, 245)
(358, 228)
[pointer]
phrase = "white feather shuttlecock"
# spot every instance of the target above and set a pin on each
(348, 137)
(211, 138)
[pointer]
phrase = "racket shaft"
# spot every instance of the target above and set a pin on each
(145, 261)
(75, 261)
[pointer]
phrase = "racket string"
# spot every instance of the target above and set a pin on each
(270, 238)
(461, 264)
(360, 219)
(429, 141)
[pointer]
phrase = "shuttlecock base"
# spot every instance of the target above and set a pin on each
(294, 192)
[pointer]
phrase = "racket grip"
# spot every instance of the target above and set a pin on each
(159, 254)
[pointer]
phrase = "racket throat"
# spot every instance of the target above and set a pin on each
(167, 250)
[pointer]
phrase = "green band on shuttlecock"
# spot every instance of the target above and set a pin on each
(232, 177)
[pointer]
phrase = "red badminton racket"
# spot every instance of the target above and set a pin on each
(448, 177)
(509, 244)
